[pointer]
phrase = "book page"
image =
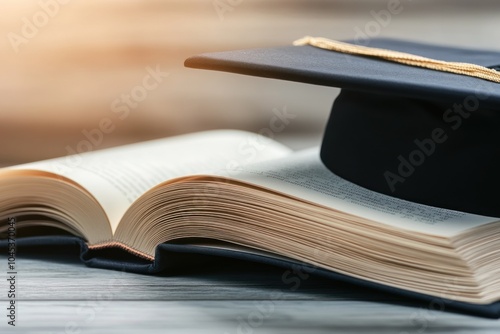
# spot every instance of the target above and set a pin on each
(304, 176)
(116, 177)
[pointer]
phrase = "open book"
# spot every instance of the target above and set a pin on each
(240, 191)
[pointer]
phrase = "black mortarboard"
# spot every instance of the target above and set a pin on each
(423, 135)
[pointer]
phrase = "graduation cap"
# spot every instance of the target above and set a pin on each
(421, 129)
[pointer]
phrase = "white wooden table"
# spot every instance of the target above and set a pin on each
(58, 294)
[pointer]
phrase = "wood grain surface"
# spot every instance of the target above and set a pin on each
(58, 294)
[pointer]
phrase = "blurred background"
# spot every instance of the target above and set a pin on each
(67, 67)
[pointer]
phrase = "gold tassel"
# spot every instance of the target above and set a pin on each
(471, 70)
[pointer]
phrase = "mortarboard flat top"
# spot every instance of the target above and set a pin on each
(322, 67)
(423, 135)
